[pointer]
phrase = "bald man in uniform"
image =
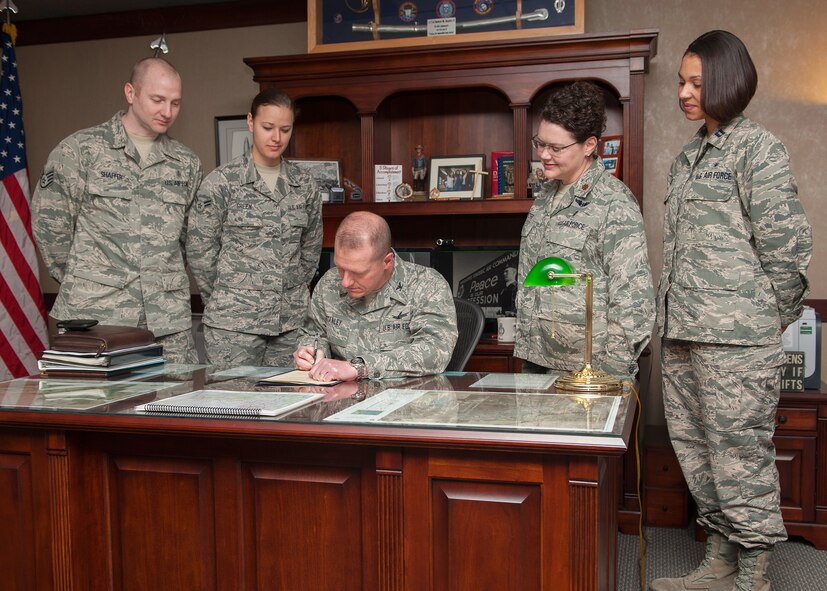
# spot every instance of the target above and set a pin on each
(375, 315)
(109, 215)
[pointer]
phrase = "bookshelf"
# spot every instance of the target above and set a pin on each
(373, 106)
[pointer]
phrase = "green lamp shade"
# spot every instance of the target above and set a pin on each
(541, 273)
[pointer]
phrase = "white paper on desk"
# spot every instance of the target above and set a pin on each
(524, 411)
(516, 381)
(377, 407)
(385, 180)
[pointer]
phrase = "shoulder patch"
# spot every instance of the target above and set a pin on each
(46, 178)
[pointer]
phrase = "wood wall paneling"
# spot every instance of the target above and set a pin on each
(162, 522)
(17, 535)
(290, 539)
(25, 533)
(486, 535)
(793, 455)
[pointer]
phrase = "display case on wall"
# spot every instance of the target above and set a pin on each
(365, 108)
(340, 25)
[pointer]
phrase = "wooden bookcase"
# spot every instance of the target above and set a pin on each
(371, 107)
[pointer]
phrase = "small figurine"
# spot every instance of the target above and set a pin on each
(419, 169)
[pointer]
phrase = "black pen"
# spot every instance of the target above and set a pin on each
(315, 348)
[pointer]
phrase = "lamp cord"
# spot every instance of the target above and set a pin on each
(641, 542)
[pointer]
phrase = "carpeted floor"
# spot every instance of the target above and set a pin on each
(796, 565)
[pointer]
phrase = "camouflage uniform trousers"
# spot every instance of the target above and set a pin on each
(720, 403)
(179, 347)
(228, 347)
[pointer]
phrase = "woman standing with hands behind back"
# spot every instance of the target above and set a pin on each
(736, 249)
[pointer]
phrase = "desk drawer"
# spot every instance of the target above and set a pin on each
(666, 507)
(796, 419)
(662, 468)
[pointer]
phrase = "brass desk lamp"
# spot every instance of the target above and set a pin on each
(553, 272)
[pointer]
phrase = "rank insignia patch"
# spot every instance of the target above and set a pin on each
(46, 178)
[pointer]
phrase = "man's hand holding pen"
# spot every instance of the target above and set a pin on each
(306, 357)
(313, 360)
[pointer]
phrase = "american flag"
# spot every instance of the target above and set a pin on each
(23, 333)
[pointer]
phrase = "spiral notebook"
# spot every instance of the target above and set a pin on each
(230, 403)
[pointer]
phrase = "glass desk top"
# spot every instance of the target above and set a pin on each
(513, 403)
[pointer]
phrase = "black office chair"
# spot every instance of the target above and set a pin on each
(470, 320)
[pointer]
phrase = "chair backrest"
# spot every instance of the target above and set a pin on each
(470, 320)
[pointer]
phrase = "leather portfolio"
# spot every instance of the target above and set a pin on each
(102, 338)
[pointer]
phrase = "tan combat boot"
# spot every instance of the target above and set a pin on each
(715, 573)
(752, 569)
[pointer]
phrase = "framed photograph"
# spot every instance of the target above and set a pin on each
(611, 150)
(346, 25)
(456, 177)
(536, 176)
(327, 173)
(232, 138)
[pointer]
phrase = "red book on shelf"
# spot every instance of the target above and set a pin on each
(495, 165)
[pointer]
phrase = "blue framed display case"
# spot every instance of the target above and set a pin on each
(342, 25)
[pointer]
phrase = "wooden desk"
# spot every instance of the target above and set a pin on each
(112, 499)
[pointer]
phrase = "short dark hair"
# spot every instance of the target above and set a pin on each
(275, 97)
(579, 107)
(728, 75)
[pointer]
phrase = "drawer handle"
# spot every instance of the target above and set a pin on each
(782, 419)
(665, 468)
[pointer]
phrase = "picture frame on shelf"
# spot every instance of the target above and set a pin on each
(536, 176)
(326, 173)
(611, 152)
(337, 25)
(456, 177)
(232, 138)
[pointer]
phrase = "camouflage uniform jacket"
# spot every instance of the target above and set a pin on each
(736, 241)
(598, 228)
(253, 251)
(111, 228)
(408, 329)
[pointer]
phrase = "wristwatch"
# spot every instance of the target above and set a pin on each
(361, 369)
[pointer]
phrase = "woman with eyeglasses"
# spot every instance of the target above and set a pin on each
(588, 217)
(736, 249)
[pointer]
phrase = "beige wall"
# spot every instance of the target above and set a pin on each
(73, 85)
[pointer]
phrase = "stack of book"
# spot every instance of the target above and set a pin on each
(55, 363)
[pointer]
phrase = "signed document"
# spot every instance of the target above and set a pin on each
(296, 377)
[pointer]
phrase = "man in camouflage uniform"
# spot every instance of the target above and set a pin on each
(109, 215)
(253, 245)
(596, 226)
(376, 315)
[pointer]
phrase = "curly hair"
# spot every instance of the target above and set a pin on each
(579, 108)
